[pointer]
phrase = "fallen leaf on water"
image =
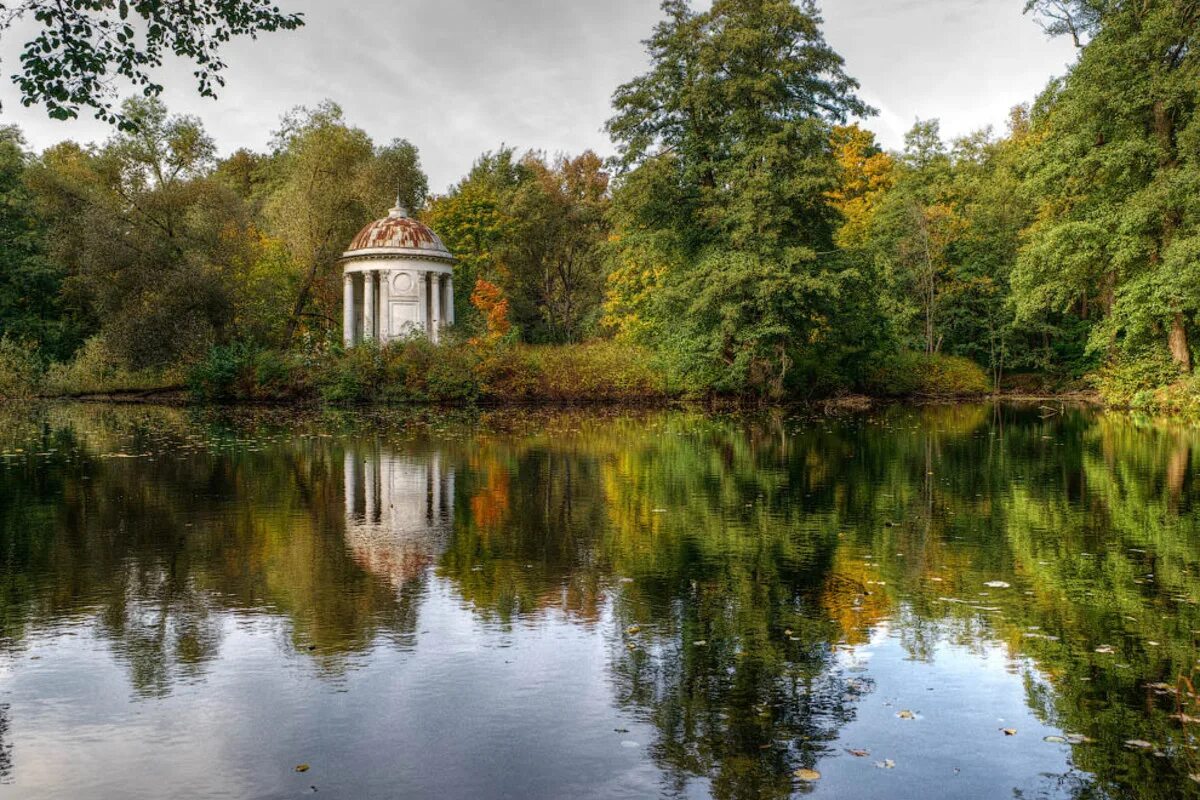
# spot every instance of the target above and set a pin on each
(998, 585)
(887, 763)
(1055, 739)
(906, 714)
(858, 753)
(807, 775)
(1009, 731)
(302, 768)
(634, 630)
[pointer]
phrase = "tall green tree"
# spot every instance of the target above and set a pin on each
(725, 148)
(1116, 175)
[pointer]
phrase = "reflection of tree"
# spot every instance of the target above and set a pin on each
(157, 549)
(725, 648)
(6, 747)
(727, 558)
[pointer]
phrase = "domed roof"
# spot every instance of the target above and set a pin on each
(398, 234)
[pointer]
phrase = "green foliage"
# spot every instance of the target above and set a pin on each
(724, 206)
(78, 47)
(326, 181)
(96, 369)
(20, 369)
(593, 371)
(1115, 174)
(534, 227)
(408, 371)
(909, 374)
(242, 371)
(32, 306)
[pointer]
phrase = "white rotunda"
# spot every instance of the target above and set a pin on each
(399, 280)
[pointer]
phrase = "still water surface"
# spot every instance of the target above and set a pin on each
(945, 602)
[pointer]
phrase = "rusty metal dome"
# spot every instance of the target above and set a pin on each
(398, 234)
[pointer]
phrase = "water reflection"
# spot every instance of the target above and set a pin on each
(399, 510)
(607, 605)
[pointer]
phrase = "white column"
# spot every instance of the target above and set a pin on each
(351, 478)
(423, 300)
(436, 307)
(449, 315)
(348, 310)
(369, 468)
(368, 306)
(385, 306)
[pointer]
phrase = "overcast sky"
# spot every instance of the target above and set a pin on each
(457, 77)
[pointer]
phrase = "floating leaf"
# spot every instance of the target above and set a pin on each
(807, 775)
(887, 763)
(998, 585)
(1054, 739)
(858, 753)
(1009, 731)
(302, 768)
(906, 714)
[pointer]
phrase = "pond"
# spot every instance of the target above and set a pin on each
(938, 602)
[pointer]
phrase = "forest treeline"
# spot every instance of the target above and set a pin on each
(748, 238)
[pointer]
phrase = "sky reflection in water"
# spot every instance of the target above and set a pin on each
(596, 604)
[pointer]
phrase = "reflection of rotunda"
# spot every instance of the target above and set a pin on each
(399, 510)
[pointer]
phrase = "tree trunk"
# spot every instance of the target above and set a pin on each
(301, 301)
(1177, 340)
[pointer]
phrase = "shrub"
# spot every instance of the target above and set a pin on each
(1134, 381)
(917, 374)
(600, 370)
(20, 369)
(96, 370)
(242, 371)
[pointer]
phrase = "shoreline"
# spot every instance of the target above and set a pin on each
(179, 397)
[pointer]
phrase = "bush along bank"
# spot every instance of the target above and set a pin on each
(415, 371)
(419, 371)
(463, 372)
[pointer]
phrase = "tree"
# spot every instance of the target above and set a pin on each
(82, 47)
(144, 235)
(732, 124)
(865, 175)
(1115, 176)
(330, 180)
(534, 228)
(32, 308)
(553, 255)
(474, 222)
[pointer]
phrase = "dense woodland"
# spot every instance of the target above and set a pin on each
(747, 239)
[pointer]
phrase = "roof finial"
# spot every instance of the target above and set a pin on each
(399, 210)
